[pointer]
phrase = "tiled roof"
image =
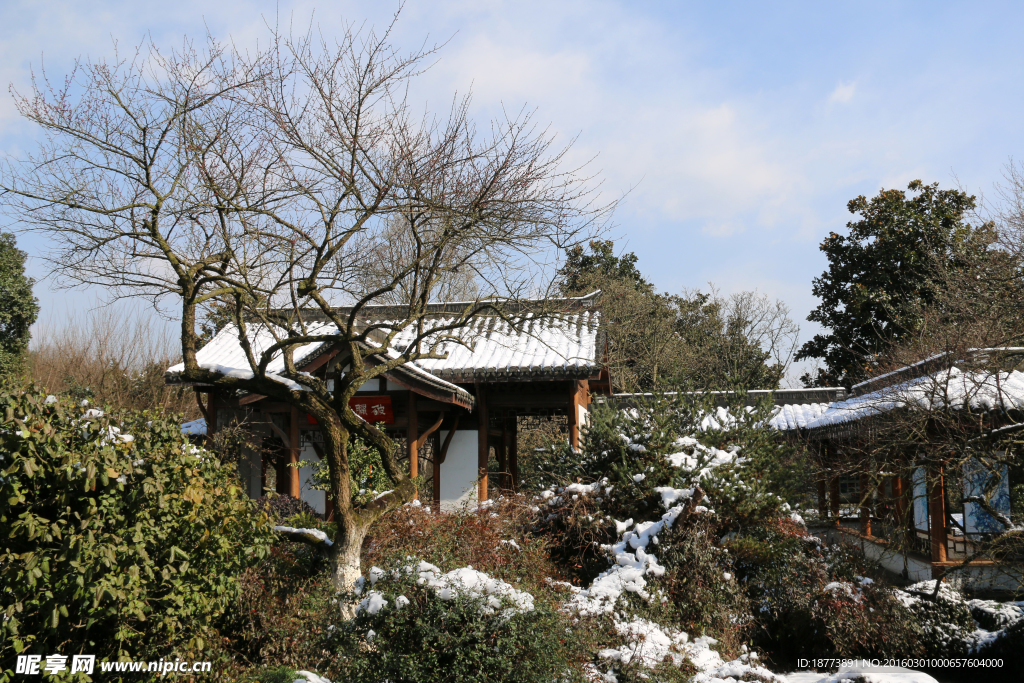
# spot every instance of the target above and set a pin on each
(225, 355)
(489, 349)
(786, 416)
(493, 349)
(952, 388)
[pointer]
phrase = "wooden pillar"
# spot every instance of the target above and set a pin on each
(899, 506)
(865, 504)
(501, 450)
(937, 514)
(822, 498)
(513, 452)
(412, 435)
(574, 416)
(263, 472)
(833, 486)
(483, 445)
(293, 454)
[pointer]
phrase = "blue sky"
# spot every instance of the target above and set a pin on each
(742, 128)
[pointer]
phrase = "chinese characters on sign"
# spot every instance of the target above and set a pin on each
(370, 408)
(373, 408)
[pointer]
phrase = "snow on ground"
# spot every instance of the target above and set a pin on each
(649, 644)
(891, 674)
(642, 642)
(314, 533)
(309, 677)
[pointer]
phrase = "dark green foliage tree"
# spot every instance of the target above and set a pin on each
(883, 274)
(581, 270)
(657, 340)
(18, 308)
(118, 536)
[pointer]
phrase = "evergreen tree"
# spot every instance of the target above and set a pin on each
(882, 275)
(658, 339)
(582, 270)
(18, 308)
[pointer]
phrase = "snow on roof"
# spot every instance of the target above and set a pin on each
(225, 355)
(953, 388)
(530, 347)
(563, 346)
(797, 416)
(784, 418)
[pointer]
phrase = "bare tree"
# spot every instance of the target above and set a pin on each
(399, 247)
(268, 182)
(746, 337)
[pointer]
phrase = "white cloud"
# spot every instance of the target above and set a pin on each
(722, 229)
(843, 93)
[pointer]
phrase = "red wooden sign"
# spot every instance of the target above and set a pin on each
(373, 408)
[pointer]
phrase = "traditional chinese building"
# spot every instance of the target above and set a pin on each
(456, 417)
(904, 456)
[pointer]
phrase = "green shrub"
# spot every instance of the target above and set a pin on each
(119, 537)
(812, 599)
(367, 475)
(277, 674)
(425, 635)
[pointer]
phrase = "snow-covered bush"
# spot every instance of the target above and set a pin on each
(995, 616)
(416, 622)
(944, 624)
(666, 452)
(119, 536)
(680, 498)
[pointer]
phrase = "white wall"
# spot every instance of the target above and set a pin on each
(317, 499)
(459, 471)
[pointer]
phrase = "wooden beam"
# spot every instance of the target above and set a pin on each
(432, 428)
(834, 495)
(865, 505)
(319, 361)
(574, 416)
(293, 454)
(514, 453)
(529, 400)
(937, 516)
(483, 444)
(412, 437)
(251, 398)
